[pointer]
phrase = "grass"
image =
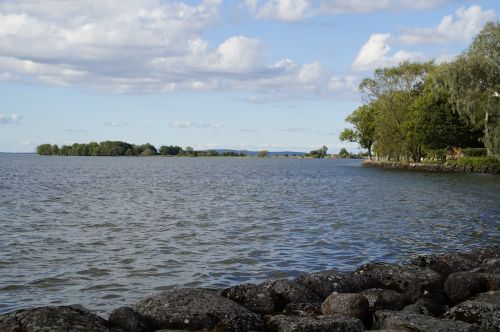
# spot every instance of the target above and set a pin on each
(476, 162)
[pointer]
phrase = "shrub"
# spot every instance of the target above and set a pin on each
(475, 152)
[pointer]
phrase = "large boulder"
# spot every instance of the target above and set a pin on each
(258, 299)
(54, 319)
(193, 309)
(457, 262)
(408, 279)
(483, 309)
(336, 323)
(460, 286)
(347, 304)
(326, 282)
(130, 320)
(385, 299)
(271, 296)
(408, 321)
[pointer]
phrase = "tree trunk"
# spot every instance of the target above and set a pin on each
(487, 135)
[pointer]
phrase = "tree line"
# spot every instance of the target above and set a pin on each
(418, 110)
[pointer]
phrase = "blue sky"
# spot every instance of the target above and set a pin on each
(250, 74)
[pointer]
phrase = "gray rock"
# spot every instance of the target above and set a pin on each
(54, 319)
(409, 279)
(490, 265)
(289, 291)
(130, 320)
(196, 309)
(457, 262)
(483, 309)
(426, 307)
(385, 299)
(326, 282)
(347, 304)
(461, 286)
(408, 321)
(336, 323)
(303, 309)
(258, 299)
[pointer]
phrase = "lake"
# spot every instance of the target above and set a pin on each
(106, 231)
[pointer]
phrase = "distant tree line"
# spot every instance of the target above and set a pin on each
(119, 148)
(419, 110)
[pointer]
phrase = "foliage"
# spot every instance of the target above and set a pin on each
(473, 82)
(476, 162)
(320, 153)
(169, 150)
(364, 128)
(263, 153)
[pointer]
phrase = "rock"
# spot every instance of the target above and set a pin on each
(490, 265)
(446, 264)
(303, 309)
(461, 286)
(408, 321)
(385, 299)
(326, 282)
(54, 319)
(196, 309)
(258, 299)
(336, 323)
(483, 309)
(348, 304)
(289, 291)
(130, 320)
(426, 307)
(408, 279)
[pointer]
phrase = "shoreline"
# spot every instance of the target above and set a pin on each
(457, 291)
(422, 167)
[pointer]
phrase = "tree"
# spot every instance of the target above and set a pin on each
(343, 153)
(473, 82)
(263, 153)
(44, 150)
(363, 133)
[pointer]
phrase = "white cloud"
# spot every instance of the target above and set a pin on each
(13, 118)
(463, 27)
(188, 124)
(367, 6)
(375, 53)
(145, 46)
(296, 10)
(282, 10)
(115, 124)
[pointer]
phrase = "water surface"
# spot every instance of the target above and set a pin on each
(105, 231)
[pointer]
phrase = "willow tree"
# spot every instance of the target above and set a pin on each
(363, 133)
(473, 81)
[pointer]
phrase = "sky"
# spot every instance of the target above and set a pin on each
(249, 74)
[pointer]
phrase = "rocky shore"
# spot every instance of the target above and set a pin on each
(442, 292)
(443, 168)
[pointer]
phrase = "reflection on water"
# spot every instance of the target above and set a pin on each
(103, 232)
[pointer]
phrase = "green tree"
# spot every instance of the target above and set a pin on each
(263, 153)
(363, 133)
(473, 82)
(44, 150)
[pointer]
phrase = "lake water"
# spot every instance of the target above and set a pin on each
(104, 231)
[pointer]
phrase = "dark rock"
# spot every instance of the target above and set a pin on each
(461, 286)
(130, 320)
(408, 321)
(409, 279)
(385, 299)
(483, 309)
(426, 307)
(54, 319)
(258, 299)
(196, 309)
(446, 264)
(490, 265)
(336, 323)
(303, 309)
(289, 291)
(347, 304)
(326, 282)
